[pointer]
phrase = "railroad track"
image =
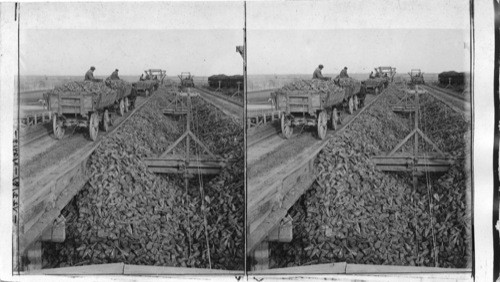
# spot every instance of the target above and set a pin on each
(228, 106)
(221, 97)
(456, 102)
(454, 95)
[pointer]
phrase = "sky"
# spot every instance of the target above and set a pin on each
(283, 37)
(430, 35)
(68, 38)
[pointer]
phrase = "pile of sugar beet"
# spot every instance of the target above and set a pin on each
(125, 213)
(356, 214)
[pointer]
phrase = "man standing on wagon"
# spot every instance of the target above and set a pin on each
(317, 73)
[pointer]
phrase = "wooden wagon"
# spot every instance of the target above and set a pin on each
(81, 109)
(123, 90)
(416, 77)
(314, 108)
(146, 86)
(376, 85)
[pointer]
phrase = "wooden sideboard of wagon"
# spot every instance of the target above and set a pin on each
(123, 89)
(81, 104)
(314, 103)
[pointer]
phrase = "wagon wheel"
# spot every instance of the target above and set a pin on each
(350, 110)
(321, 124)
(93, 126)
(122, 108)
(377, 91)
(105, 121)
(356, 102)
(334, 119)
(57, 127)
(286, 126)
(127, 104)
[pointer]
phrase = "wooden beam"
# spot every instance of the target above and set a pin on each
(367, 268)
(403, 162)
(98, 269)
(177, 164)
(403, 109)
(326, 268)
(165, 270)
(180, 111)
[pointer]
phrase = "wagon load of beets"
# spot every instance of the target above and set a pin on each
(331, 93)
(348, 82)
(146, 84)
(104, 96)
(123, 87)
(225, 81)
(457, 78)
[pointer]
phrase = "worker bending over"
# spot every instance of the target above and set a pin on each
(317, 73)
(90, 74)
(343, 73)
(114, 75)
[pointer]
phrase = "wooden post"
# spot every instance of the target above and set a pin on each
(261, 256)
(34, 255)
(415, 150)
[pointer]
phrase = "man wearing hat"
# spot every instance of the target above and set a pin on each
(343, 73)
(90, 74)
(317, 73)
(114, 75)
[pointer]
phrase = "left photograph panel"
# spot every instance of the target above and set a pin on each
(129, 132)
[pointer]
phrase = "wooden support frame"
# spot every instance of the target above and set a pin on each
(417, 162)
(405, 104)
(176, 107)
(206, 163)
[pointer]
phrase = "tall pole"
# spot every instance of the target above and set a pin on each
(245, 53)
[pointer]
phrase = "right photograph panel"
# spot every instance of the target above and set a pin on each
(359, 137)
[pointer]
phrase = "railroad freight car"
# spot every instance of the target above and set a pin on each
(451, 78)
(224, 81)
